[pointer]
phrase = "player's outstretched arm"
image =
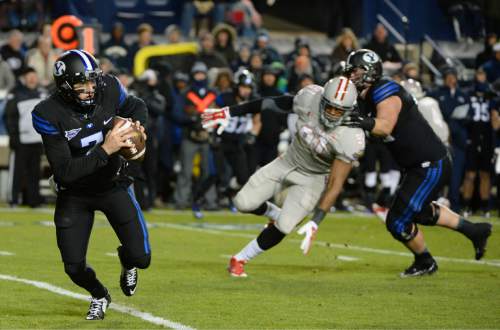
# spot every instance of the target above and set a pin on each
(339, 172)
(212, 118)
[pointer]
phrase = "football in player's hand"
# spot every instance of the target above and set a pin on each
(138, 148)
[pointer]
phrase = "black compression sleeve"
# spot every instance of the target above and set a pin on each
(281, 104)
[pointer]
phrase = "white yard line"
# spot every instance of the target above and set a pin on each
(111, 254)
(6, 253)
(347, 258)
(148, 317)
(333, 245)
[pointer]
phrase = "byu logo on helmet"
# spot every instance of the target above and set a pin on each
(59, 68)
(370, 57)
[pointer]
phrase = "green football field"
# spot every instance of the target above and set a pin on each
(349, 280)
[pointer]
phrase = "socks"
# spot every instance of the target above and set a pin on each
(466, 227)
(424, 256)
(250, 251)
(272, 211)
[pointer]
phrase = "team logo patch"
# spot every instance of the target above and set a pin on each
(72, 133)
(59, 68)
(90, 125)
(370, 57)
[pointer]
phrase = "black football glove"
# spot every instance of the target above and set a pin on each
(357, 120)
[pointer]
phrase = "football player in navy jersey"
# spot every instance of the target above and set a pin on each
(389, 112)
(76, 125)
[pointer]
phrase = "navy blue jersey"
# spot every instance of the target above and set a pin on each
(479, 128)
(412, 141)
(73, 139)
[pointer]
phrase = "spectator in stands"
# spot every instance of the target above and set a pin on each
(42, 59)
(246, 18)
(492, 67)
(208, 54)
(225, 36)
(115, 48)
(222, 81)
(145, 38)
(173, 34)
(273, 123)
(269, 53)
(13, 53)
(7, 78)
(178, 117)
(302, 65)
(380, 44)
(453, 104)
(24, 142)
(345, 43)
(243, 59)
(197, 98)
(487, 54)
(214, 9)
(302, 47)
(256, 65)
(146, 88)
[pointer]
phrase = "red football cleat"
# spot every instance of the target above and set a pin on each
(236, 269)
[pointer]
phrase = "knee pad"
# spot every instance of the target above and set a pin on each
(429, 215)
(403, 232)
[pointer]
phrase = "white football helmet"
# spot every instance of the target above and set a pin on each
(414, 88)
(339, 93)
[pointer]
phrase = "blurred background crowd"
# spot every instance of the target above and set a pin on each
(248, 49)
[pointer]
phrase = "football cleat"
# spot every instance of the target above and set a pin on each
(236, 267)
(380, 211)
(483, 232)
(420, 268)
(128, 281)
(98, 307)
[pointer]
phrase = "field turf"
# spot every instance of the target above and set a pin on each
(349, 280)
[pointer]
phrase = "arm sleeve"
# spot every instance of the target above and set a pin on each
(384, 91)
(279, 104)
(66, 168)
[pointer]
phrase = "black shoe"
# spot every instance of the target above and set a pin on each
(128, 281)
(98, 307)
(481, 238)
(420, 268)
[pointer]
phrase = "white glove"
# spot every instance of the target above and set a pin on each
(210, 118)
(309, 229)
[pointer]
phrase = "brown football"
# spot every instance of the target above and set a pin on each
(138, 149)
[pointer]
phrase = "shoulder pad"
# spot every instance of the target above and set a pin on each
(349, 143)
(305, 97)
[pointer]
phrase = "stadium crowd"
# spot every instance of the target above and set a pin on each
(189, 167)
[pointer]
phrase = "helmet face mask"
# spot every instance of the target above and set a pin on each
(338, 100)
(73, 71)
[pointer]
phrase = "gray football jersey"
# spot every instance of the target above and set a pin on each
(314, 146)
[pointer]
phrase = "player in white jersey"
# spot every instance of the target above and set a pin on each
(429, 108)
(313, 169)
